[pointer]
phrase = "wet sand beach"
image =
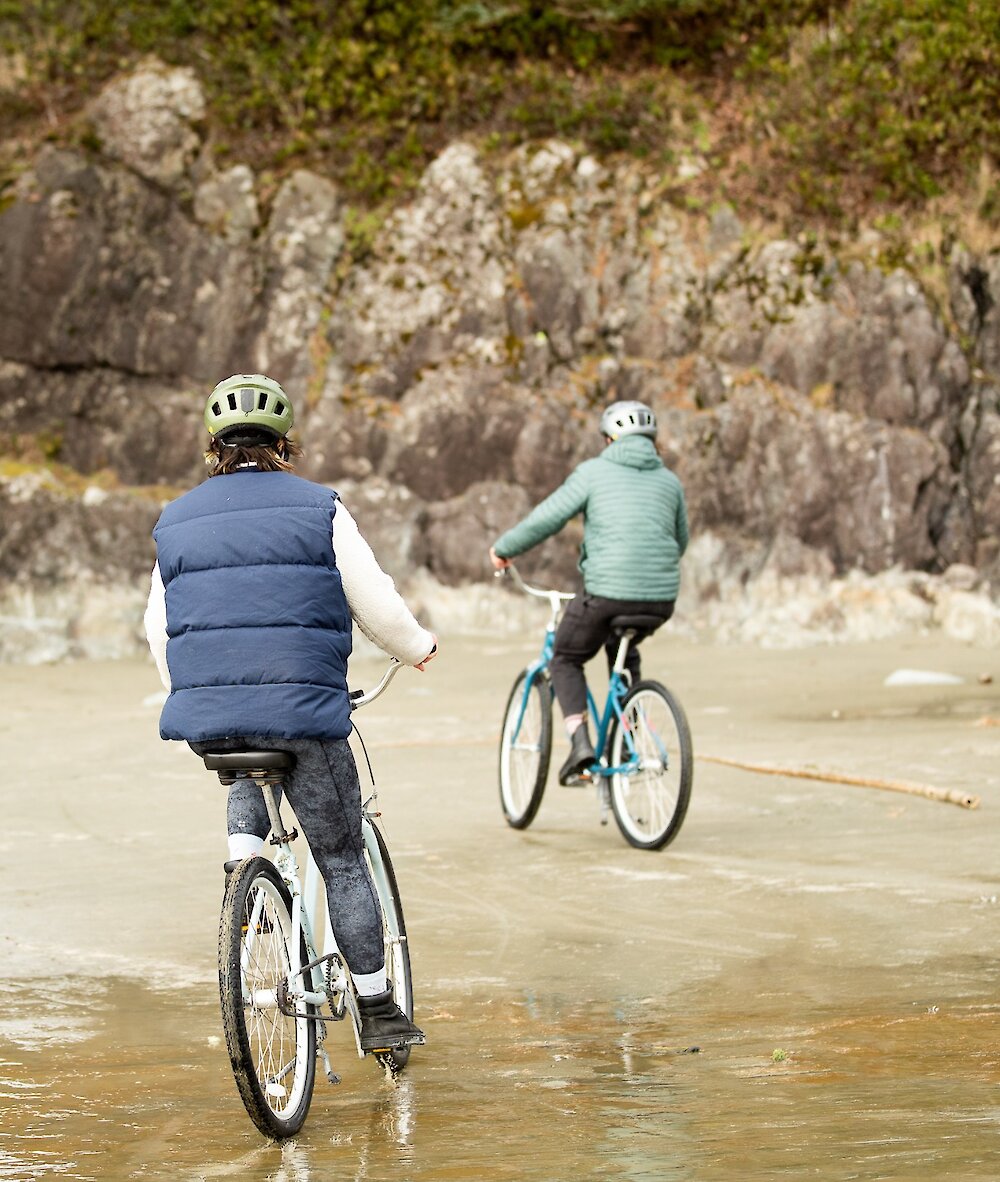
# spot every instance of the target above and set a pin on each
(804, 985)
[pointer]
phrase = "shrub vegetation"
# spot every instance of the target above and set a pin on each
(819, 107)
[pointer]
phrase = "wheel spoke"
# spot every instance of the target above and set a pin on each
(650, 795)
(525, 746)
(397, 959)
(274, 1035)
(273, 1054)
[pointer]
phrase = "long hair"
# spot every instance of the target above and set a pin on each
(272, 456)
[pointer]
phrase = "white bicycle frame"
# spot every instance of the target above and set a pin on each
(309, 900)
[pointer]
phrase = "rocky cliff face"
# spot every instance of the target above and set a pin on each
(827, 420)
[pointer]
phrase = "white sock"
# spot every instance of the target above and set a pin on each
(572, 722)
(244, 845)
(368, 984)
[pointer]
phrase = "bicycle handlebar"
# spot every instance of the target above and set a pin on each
(555, 598)
(363, 697)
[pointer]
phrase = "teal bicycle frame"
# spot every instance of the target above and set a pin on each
(617, 688)
(643, 758)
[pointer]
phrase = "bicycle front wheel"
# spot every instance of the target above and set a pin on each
(652, 741)
(273, 1055)
(525, 748)
(397, 947)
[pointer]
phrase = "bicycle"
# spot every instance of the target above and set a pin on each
(278, 987)
(645, 764)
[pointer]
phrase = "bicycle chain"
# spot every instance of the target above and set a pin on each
(336, 1010)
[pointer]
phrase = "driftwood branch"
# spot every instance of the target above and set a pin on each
(964, 800)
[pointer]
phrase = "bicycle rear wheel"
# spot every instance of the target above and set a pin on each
(397, 947)
(273, 1055)
(650, 802)
(525, 748)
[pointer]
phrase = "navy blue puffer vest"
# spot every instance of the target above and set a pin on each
(258, 627)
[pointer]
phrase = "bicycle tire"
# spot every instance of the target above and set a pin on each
(264, 1045)
(650, 803)
(397, 953)
(524, 767)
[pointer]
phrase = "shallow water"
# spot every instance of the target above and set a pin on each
(546, 1087)
(804, 985)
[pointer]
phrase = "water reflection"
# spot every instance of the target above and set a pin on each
(532, 1088)
(399, 1113)
(294, 1164)
(564, 980)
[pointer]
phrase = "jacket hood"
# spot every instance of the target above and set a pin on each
(634, 451)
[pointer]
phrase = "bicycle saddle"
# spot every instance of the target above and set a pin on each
(642, 626)
(249, 762)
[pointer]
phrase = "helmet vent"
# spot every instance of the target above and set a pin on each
(628, 418)
(247, 400)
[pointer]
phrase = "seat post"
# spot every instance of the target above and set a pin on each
(277, 825)
(623, 646)
(267, 769)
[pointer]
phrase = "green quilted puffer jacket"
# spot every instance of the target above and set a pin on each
(635, 522)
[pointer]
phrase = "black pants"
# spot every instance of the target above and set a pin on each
(583, 630)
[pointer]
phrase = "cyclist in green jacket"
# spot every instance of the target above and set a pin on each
(635, 531)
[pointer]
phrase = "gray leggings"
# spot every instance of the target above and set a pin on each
(325, 793)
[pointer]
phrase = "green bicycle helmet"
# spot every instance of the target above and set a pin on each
(248, 408)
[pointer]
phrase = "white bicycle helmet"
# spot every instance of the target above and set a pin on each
(628, 418)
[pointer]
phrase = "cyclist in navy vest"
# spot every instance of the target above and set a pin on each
(258, 579)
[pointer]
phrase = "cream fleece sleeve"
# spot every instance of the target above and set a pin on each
(376, 605)
(155, 623)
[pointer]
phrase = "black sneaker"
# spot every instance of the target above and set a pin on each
(581, 756)
(384, 1026)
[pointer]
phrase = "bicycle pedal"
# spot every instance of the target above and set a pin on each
(412, 1040)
